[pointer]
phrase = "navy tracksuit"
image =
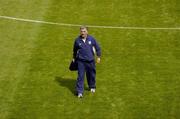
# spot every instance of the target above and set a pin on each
(84, 55)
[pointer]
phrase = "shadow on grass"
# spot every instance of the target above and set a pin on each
(67, 83)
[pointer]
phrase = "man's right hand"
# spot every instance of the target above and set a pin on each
(73, 60)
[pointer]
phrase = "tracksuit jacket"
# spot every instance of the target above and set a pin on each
(84, 51)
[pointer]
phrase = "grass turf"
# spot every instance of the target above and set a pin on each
(138, 77)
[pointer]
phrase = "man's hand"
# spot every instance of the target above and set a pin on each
(98, 60)
(73, 59)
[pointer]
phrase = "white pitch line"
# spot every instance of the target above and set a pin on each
(92, 26)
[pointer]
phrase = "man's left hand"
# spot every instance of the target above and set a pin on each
(98, 60)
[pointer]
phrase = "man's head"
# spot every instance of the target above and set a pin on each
(83, 31)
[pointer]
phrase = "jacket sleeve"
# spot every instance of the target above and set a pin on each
(97, 47)
(75, 49)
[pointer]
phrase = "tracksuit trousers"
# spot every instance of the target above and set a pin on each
(87, 68)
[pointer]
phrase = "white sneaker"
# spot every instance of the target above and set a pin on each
(93, 90)
(80, 95)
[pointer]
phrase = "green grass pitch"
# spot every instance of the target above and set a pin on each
(139, 75)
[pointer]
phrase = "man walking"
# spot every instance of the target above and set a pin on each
(84, 50)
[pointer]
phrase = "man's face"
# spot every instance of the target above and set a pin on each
(83, 32)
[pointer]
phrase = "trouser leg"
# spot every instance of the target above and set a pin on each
(91, 74)
(80, 79)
